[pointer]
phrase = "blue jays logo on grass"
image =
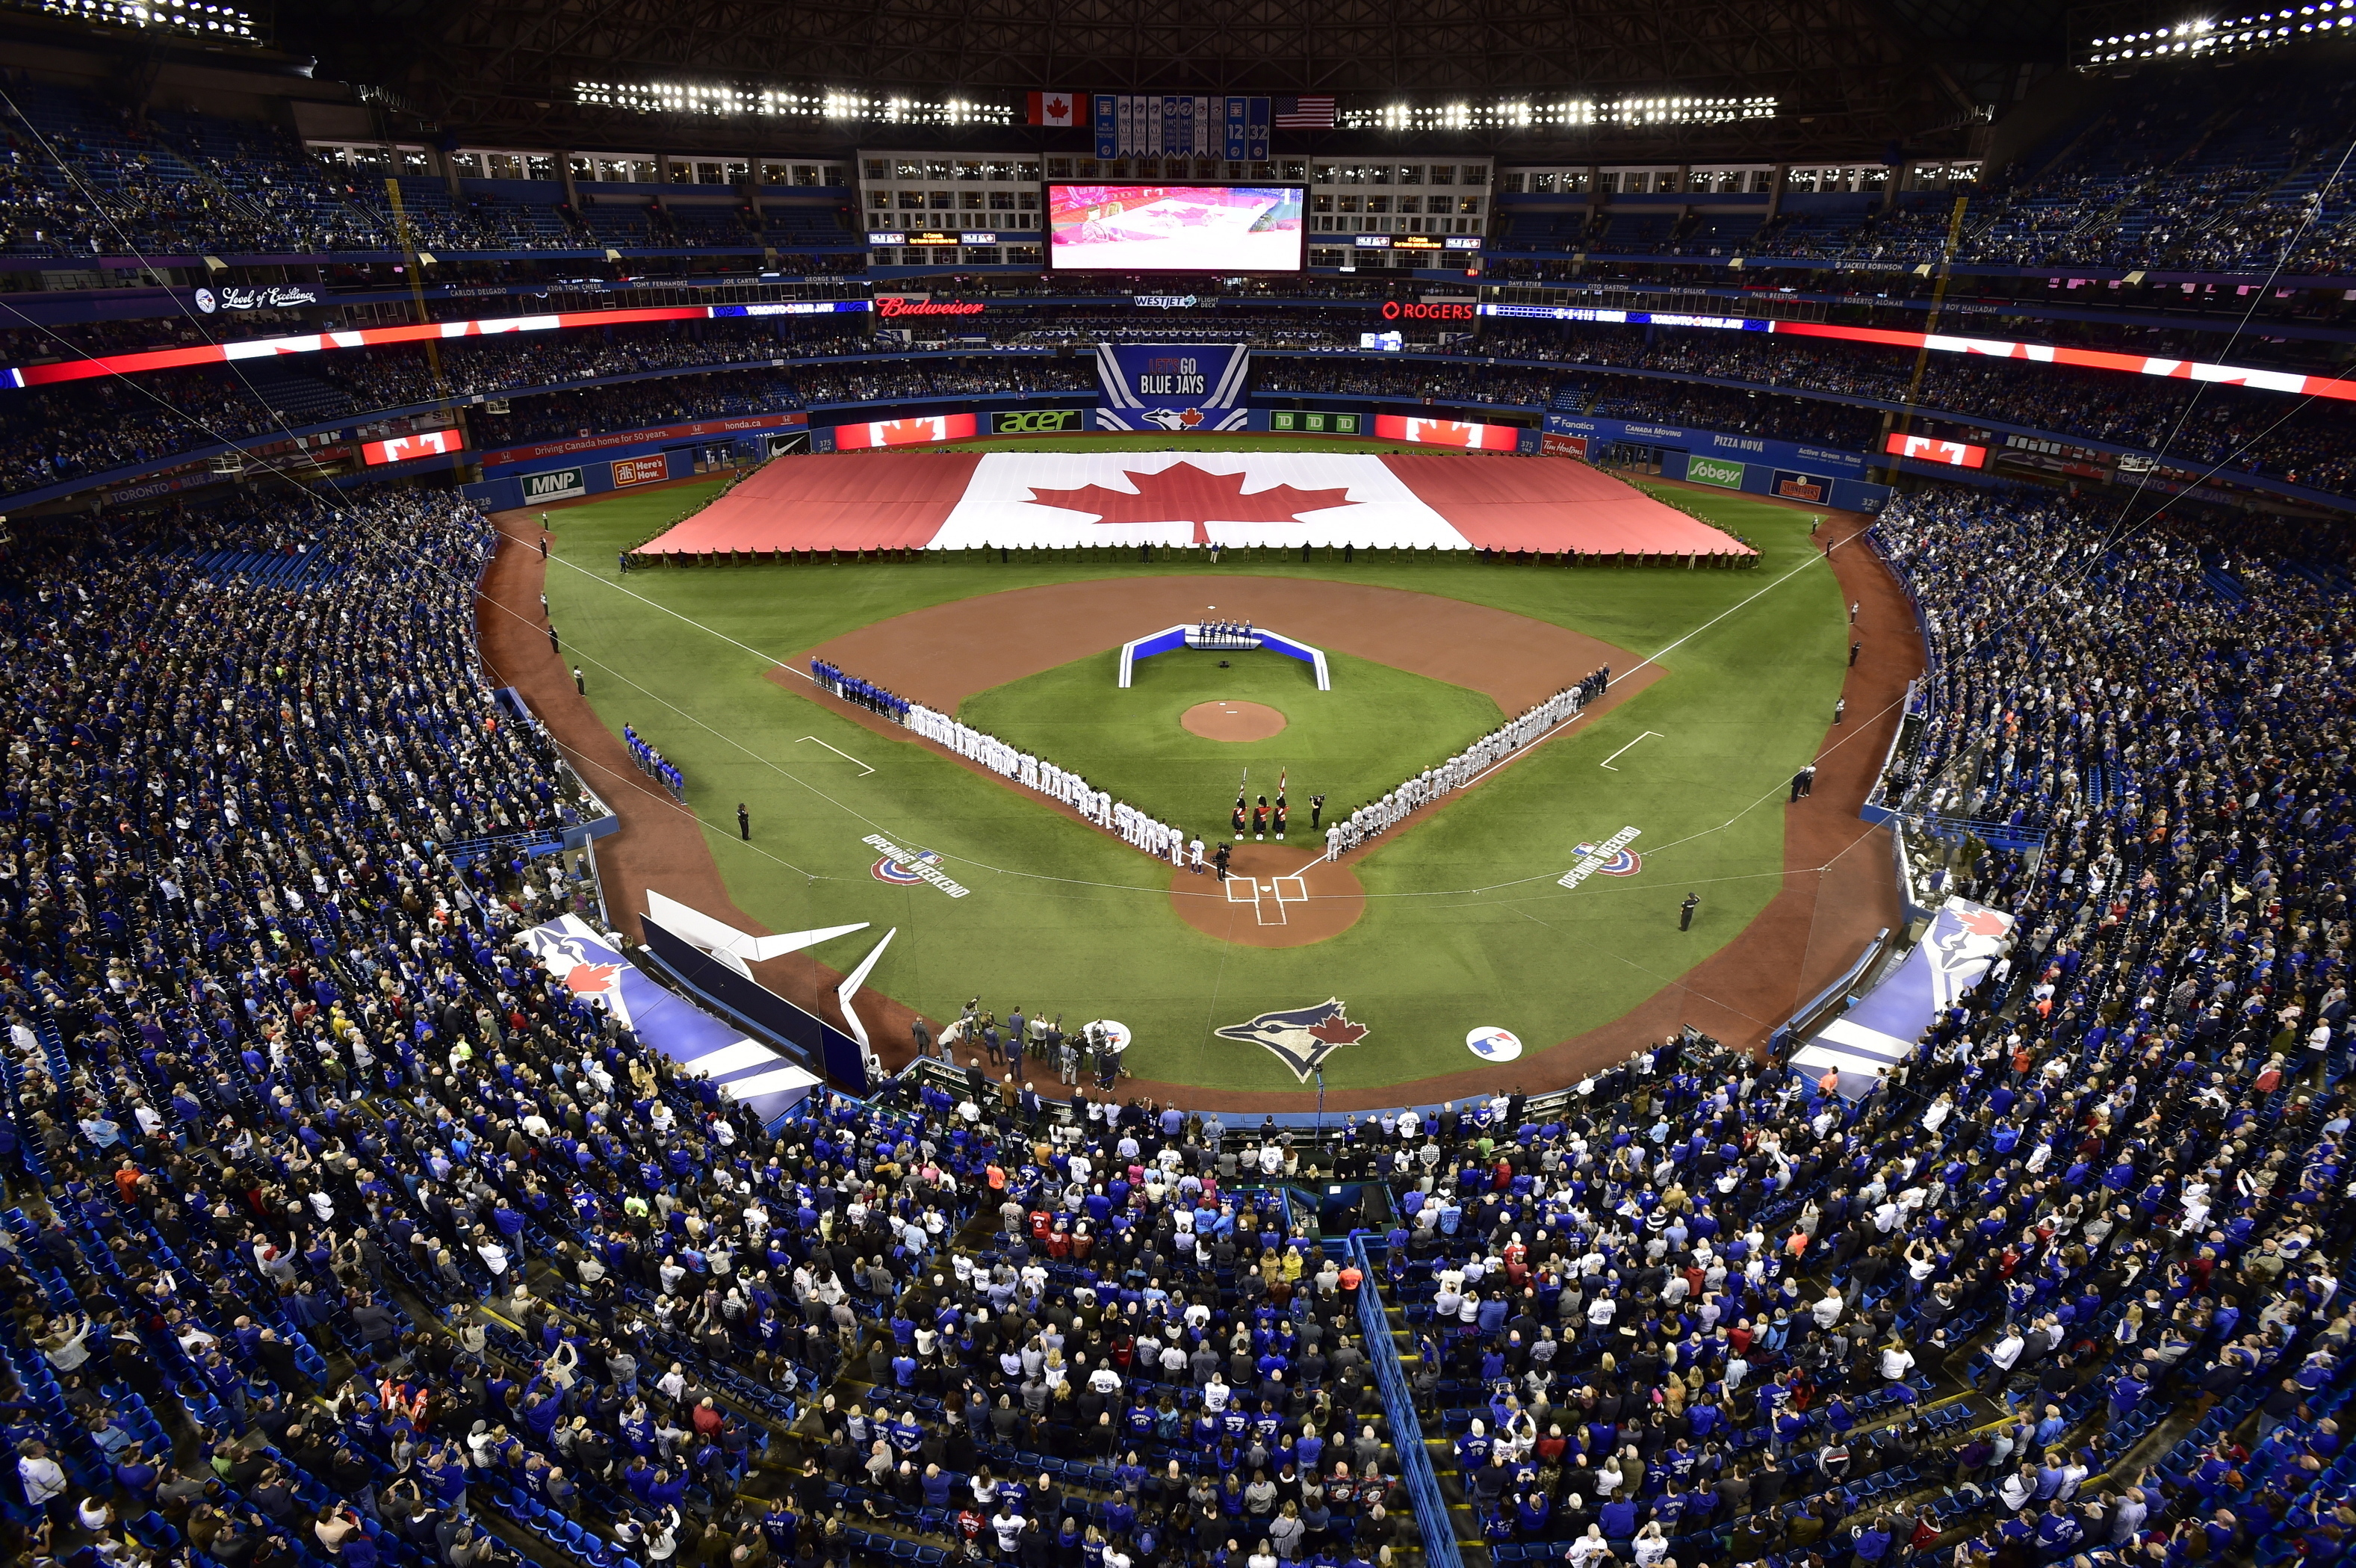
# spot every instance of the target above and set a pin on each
(1300, 1038)
(1623, 861)
(903, 871)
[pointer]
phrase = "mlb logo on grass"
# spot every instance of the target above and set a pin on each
(556, 485)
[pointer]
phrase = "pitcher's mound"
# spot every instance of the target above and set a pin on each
(1232, 721)
(1276, 895)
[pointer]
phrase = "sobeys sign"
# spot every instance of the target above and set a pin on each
(1710, 471)
(556, 485)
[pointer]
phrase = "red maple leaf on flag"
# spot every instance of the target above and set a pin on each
(584, 979)
(1184, 493)
(1338, 1031)
(1057, 109)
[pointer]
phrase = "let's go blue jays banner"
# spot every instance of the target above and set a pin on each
(1173, 386)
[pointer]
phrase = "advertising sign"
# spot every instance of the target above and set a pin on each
(1564, 447)
(556, 485)
(1036, 421)
(1312, 422)
(1794, 487)
(1711, 471)
(628, 471)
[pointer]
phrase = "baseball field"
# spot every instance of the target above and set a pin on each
(1456, 921)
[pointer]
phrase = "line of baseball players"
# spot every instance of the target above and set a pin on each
(1377, 816)
(1135, 827)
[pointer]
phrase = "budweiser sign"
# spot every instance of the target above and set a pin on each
(888, 306)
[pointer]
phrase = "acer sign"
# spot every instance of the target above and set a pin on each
(918, 432)
(888, 306)
(402, 448)
(1446, 433)
(1931, 449)
(1398, 310)
(1036, 421)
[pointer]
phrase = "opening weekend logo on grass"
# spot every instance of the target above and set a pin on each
(1710, 471)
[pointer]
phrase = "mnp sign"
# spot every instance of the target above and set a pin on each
(556, 485)
(1173, 386)
(1710, 471)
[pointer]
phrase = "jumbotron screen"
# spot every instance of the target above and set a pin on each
(1174, 228)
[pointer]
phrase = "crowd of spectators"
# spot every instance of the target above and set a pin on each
(1740, 382)
(1709, 1312)
(286, 1098)
(287, 1101)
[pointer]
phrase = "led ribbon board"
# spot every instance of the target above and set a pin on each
(415, 332)
(2291, 382)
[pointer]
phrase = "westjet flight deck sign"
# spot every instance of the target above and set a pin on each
(1173, 386)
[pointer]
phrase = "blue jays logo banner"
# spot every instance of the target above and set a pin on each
(1300, 1038)
(1173, 386)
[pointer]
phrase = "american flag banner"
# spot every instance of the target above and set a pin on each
(1309, 114)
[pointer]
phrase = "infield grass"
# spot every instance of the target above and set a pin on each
(1351, 744)
(1464, 925)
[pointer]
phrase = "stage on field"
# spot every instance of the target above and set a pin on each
(960, 500)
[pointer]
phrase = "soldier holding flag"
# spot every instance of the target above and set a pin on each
(1239, 818)
(1259, 818)
(1277, 821)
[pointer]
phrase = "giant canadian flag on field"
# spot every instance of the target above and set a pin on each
(958, 500)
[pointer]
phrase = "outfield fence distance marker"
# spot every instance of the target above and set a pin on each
(1648, 735)
(864, 769)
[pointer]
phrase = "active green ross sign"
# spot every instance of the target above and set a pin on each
(1035, 420)
(1710, 471)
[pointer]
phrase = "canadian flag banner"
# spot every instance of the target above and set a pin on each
(963, 501)
(1055, 108)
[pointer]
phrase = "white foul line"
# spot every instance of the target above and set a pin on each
(848, 758)
(1648, 735)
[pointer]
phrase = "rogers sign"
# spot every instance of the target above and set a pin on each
(889, 307)
(1393, 310)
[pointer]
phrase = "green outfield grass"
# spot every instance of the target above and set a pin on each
(1464, 927)
(1351, 744)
